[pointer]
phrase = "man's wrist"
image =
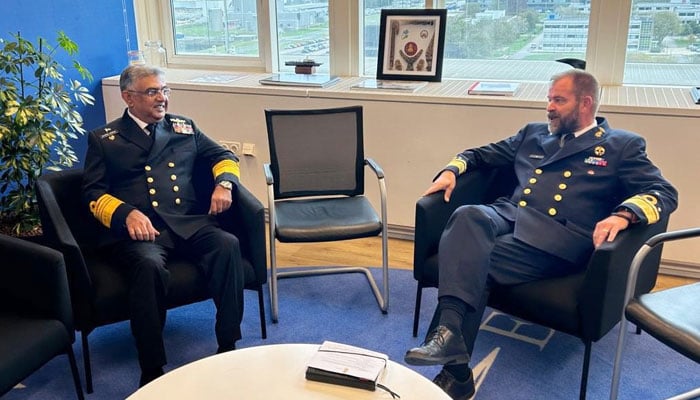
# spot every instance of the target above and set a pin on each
(629, 216)
(226, 185)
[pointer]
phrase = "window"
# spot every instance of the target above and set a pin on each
(664, 37)
(302, 33)
(485, 39)
(514, 40)
(215, 27)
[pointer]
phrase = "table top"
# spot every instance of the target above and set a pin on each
(276, 372)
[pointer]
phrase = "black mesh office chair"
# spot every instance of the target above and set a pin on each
(36, 321)
(671, 315)
(315, 182)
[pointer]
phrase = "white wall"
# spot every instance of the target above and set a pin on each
(412, 140)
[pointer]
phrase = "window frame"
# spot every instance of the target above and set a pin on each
(605, 54)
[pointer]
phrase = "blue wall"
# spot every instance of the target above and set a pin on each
(97, 26)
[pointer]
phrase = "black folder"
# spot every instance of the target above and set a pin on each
(320, 375)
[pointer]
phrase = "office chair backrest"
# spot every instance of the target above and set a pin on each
(316, 152)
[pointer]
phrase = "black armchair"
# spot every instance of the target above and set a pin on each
(586, 305)
(99, 292)
(36, 322)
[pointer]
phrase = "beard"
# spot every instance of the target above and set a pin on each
(561, 124)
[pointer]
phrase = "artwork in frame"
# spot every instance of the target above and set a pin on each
(411, 44)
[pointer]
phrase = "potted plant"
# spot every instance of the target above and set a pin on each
(38, 118)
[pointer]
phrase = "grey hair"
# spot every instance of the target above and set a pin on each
(133, 73)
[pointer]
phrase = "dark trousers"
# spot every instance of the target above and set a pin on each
(477, 251)
(216, 252)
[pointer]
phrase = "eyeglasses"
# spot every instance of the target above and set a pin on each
(153, 92)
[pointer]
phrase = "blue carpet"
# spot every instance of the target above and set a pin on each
(341, 308)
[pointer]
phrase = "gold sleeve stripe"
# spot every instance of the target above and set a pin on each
(224, 166)
(458, 163)
(104, 208)
(647, 204)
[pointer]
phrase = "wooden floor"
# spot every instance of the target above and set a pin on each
(367, 252)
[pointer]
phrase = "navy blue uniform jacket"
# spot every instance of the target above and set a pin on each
(125, 169)
(563, 192)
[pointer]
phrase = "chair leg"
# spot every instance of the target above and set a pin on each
(86, 361)
(274, 310)
(584, 373)
(273, 262)
(74, 371)
(416, 312)
(261, 307)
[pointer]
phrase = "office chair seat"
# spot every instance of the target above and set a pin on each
(671, 316)
(319, 220)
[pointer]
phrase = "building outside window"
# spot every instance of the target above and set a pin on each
(485, 39)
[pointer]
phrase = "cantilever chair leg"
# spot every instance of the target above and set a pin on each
(381, 296)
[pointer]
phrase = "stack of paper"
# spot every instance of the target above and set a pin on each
(342, 364)
(494, 88)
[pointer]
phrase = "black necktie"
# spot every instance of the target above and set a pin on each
(151, 128)
(565, 138)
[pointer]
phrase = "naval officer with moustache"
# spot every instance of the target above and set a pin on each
(138, 184)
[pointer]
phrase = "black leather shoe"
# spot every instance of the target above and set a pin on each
(149, 375)
(440, 348)
(455, 389)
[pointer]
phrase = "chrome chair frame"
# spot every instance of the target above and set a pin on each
(637, 261)
(382, 296)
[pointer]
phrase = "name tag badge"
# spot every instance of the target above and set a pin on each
(536, 156)
(109, 134)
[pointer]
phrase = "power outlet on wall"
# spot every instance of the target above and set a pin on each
(235, 147)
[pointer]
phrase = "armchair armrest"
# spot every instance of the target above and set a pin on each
(246, 219)
(33, 280)
(432, 213)
(602, 297)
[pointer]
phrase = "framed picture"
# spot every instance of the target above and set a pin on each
(411, 43)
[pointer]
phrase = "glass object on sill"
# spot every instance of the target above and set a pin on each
(135, 57)
(155, 54)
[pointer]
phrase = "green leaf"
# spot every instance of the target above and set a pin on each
(39, 118)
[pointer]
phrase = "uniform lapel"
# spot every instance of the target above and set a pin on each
(133, 133)
(160, 141)
(549, 144)
(574, 146)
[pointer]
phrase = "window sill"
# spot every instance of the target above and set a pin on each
(647, 100)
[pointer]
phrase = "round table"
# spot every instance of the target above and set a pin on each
(276, 372)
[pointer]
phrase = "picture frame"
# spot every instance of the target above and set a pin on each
(411, 44)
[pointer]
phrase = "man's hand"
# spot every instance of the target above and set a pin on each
(139, 227)
(221, 200)
(446, 181)
(607, 229)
